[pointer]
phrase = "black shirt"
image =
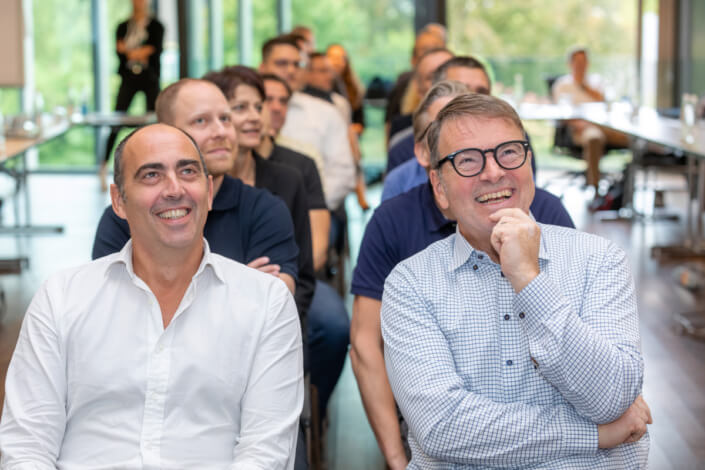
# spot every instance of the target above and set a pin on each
(155, 37)
(287, 184)
(396, 95)
(307, 167)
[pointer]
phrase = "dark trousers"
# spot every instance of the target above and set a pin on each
(129, 87)
(328, 340)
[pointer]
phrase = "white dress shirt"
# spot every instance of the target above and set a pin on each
(565, 88)
(317, 122)
(97, 382)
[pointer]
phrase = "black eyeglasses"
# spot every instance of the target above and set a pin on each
(471, 161)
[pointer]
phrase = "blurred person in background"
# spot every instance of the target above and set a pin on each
(578, 87)
(276, 102)
(328, 323)
(139, 47)
(312, 120)
(401, 127)
(424, 42)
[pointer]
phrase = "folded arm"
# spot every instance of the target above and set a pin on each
(449, 421)
(590, 353)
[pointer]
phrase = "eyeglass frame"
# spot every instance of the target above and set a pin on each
(451, 157)
(298, 64)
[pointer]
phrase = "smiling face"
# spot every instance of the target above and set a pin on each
(277, 104)
(284, 61)
(472, 200)
(246, 105)
(201, 110)
(166, 194)
(425, 68)
(320, 73)
(475, 79)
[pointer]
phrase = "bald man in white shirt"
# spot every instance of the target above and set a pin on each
(163, 355)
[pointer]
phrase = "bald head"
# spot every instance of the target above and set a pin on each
(164, 106)
(138, 141)
(425, 42)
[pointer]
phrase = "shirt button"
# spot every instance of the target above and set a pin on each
(474, 267)
(510, 362)
(480, 256)
(507, 317)
(521, 315)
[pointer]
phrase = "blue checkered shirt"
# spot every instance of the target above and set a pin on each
(487, 378)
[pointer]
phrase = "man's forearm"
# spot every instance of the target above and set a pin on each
(320, 234)
(378, 400)
(367, 360)
(593, 358)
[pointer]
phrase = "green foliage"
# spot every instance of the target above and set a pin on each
(531, 37)
(378, 34)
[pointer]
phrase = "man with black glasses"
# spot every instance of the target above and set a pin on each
(401, 227)
(511, 343)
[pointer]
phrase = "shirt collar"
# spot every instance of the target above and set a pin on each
(463, 250)
(124, 258)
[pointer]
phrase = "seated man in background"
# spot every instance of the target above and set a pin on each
(577, 88)
(312, 120)
(401, 127)
(426, 39)
(411, 173)
(401, 227)
(164, 355)
(328, 325)
(277, 95)
(510, 343)
(246, 224)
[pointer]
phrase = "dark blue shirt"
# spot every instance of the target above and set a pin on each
(400, 152)
(244, 224)
(406, 224)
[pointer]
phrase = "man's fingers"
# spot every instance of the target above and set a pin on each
(509, 212)
(258, 262)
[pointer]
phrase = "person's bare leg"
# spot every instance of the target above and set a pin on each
(592, 139)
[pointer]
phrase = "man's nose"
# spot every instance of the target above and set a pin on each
(220, 127)
(492, 172)
(173, 187)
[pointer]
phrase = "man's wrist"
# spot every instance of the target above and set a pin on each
(523, 279)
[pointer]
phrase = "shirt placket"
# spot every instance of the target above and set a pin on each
(158, 382)
(156, 393)
(510, 334)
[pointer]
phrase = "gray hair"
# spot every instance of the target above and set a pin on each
(446, 88)
(472, 105)
(120, 150)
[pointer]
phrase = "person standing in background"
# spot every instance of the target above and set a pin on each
(139, 47)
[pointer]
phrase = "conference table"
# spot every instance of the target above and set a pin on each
(13, 161)
(645, 125)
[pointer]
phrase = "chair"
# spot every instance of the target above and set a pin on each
(563, 142)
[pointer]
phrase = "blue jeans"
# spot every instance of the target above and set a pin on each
(328, 340)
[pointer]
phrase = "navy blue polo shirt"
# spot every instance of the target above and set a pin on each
(244, 224)
(408, 223)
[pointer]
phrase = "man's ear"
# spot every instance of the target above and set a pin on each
(421, 154)
(210, 192)
(439, 189)
(117, 201)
